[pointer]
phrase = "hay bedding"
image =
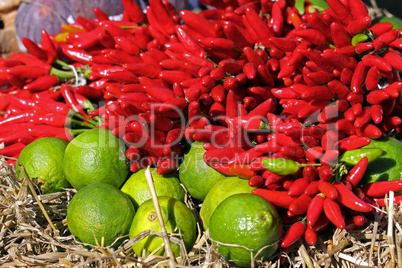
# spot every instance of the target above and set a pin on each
(34, 233)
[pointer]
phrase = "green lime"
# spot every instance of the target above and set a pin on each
(177, 218)
(96, 155)
(219, 192)
(388, 166)
(43, 159)
(245, 220)
(165, 185)
(196, 176)
(100, 210)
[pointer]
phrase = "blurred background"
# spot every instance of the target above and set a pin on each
(392, 6)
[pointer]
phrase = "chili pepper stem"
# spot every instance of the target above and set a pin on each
(81, 124)
(61, 74)
(75, 132)
(94, 123)
(312, 165)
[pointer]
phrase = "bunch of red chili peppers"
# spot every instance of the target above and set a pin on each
(277, 97)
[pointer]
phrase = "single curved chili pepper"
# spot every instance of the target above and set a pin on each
(277, 198)
(339, 60)
(347, 198)
(256, 181)
(233, 32)
(311, 35)
(328, 189)
(358, 77)
(297, 188)
(372, 78)
(28, 71)
(380, 28)
(385, 39)
(12, 149)
(357, 172)
(315, 209)
(363, 118)
(293, 234)
(358, 25)
(231, 66)
(381, 188)
(300, 205)
(380, 63)
(242, 171)
(333, 212)
(377, 96)
(34, 49)
(310, 236)
(260, 28)
(201, 24)
(189, 43)
(339, 36)
(42, 83)
(134, 11)
(252, 56)
(353, 157)
(341, 11)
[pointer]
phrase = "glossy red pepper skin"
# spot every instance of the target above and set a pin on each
(300, 205)
(133, 10)
(381, 188)
(349, 199)
(293, 234)
(333, 212)
(277, 198)
(357, 172)
(382, 201)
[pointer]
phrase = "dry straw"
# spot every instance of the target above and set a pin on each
(33, 233)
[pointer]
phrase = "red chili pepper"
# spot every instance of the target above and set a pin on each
(42, 83)
(382, 202)
(260, 28)
(363, 118)
(341, 11)
(380, 63)
(315, 209)
(133, 11)
(310, 236)
(300, 205)
(48, 46)
(252, 56)
(293, 234)
(358, 9)
(363, 47)
(34, 49)
(256, 181)
(167, 165)
(381, 188)
(356, 173)
(333, 213)
(358, 25)
(385, 39)
(358, 77)
(347, 198)
(12, 149)
(339, 36)
(189, 43)
(233, 32)
(311, 35)
(297, 188)
(277, 198)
